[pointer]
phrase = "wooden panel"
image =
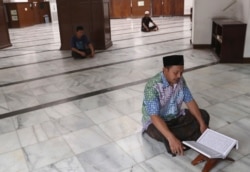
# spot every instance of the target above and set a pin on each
(4, 33)
(36, 15)
(26, 14)
(138, 11)
(120, 8)
(81, 14)
(65, 24)
(168, 7)
(173, 7)
(156, 8)
(178, 8)
(96, 36)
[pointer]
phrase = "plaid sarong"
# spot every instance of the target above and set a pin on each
(185, 127)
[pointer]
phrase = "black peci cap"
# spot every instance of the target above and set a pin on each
(173, 60)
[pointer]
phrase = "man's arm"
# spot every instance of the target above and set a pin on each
(155, 25)
(195, 111)
(174, 143)
(92, 50)
(77, 51)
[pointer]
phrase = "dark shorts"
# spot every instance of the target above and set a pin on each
(185, 127)
(76, 55)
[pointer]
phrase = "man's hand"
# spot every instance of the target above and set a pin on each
(203, 127)
(175, 145)
(92, 54)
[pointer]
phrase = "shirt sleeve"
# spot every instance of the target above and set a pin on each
(187, 94)
(151, 101)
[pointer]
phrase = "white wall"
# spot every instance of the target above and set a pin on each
(205, 10)
(53, 10)
(243, 14)
(203, 13)
(187, 5)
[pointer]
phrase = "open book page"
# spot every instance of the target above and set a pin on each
(212, 140)
(208, 152)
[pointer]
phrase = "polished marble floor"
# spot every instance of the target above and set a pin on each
(64, 115)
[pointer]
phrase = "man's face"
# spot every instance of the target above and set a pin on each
(80, 33)
(173, 73)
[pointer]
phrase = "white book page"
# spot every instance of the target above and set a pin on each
(208, 152)
(217, 141)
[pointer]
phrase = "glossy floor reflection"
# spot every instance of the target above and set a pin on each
(65, 115)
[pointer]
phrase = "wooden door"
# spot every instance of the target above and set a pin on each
(167, 7)
(178, 7)
(173, 8)
(35, 10)
(157, 8)
(139, 7)
(120, 8)
(44, 9)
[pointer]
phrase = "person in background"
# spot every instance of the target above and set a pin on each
(163, 117)
(80, 44)
(145, 23)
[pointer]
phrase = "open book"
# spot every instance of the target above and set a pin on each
(213, 144)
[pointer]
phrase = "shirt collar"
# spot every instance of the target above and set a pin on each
(165, 82)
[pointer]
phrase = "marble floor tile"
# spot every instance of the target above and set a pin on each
(62, 110)
(162, 163)
(66, 165)
(141, 147)
(13, 162)
(30, 119)
(128, 106)
(4, 108)
(120, 127)
(226, 112)
(72, 123)
(218, 94)
(241, 165)
(92, 102)
(103, 114)
(240, 86)
(6, 125)
(239, 130)
(20, 96)
(9, 141)
(86, 139)
(27, 136)
(109, 157)
(50, 97)
(48, 152)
